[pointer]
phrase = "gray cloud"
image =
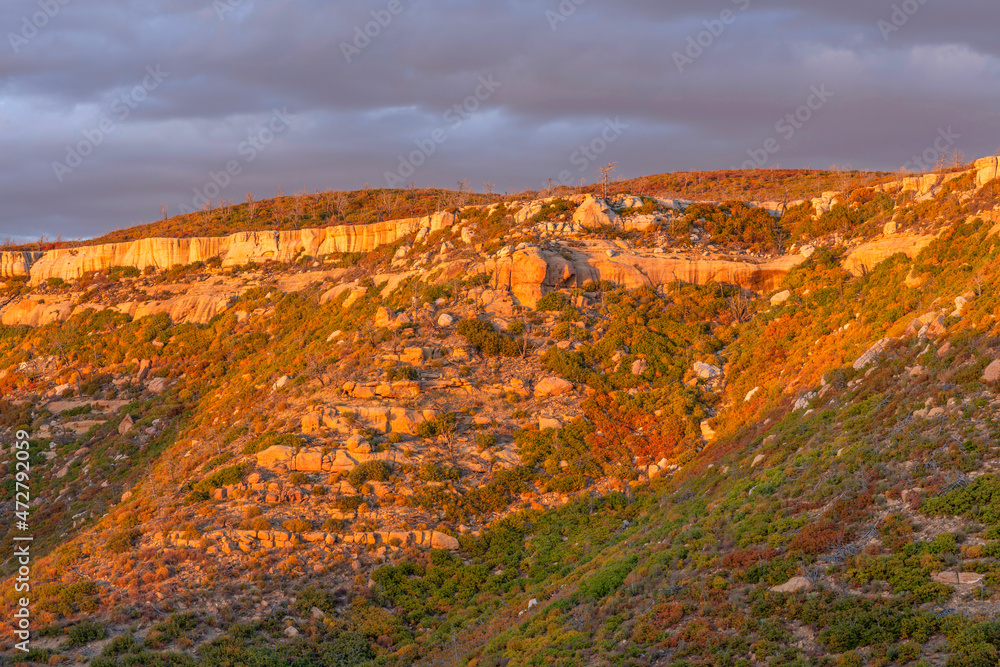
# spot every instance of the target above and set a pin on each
(353, 121)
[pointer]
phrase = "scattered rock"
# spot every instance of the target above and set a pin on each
(957, 578)
(707, 432)
(780, 298)
(992, 372)
(873, 353)
(751, 394)
(706, 371)
(639, 366)
(757, 460)
(445, 320)
(804, 401)
(793, 585)
(125, 425)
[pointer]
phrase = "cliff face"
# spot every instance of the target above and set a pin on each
(70, 264)
(531, 273)
(868, 256)
(15, 264)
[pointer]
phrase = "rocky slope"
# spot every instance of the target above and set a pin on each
(559, 431)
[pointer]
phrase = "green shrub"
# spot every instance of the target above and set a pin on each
(402, 373)
(435, 473)
(552, 302)
(332, 525)
(487, 340)
(608, 579)
(124, 540)
(256, 523)
(440, 425)
(85, 632)
(297, 526)
(225, 477)
(271, 439)
(116, 272)
(378, 471)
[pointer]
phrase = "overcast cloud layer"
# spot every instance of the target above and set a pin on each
(108, 108)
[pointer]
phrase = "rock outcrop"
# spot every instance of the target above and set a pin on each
(17, 264)
(867, 256)
(236, 249)
(531, 272)
(987, 169)
(594, 213)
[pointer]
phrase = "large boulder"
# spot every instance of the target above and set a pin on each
(793, 585)
(552, 386)
(706, 371)
(276, 455)
(986, 170)
(992, 372)
(594, 212)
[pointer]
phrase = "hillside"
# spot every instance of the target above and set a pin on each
(697, 423)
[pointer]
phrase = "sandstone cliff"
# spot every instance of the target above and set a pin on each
(531, 272)
(15, 264)
(236, 249)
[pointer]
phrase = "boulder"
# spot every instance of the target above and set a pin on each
(986, 170)
(957, 578)
(442, 541)
(125, 425)
(872, 354)
(707, 432)
(780, 298)
(937, 327)
(992, 372)
(593, 213)
(445, 320)
(793, 585)
(706, 371)
(383, 317)
(275, 455)
(639, 366)
(552, 386)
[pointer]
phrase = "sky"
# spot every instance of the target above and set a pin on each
(114, 112)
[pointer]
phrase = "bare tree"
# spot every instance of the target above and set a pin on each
(279, 209)
(299, 203)
(251, 206)
(163, 210)
(339, 204)
(605, 172)
(488, 186)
